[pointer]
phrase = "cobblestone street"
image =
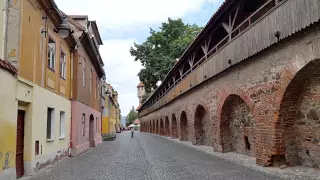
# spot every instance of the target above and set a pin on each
(147, 157)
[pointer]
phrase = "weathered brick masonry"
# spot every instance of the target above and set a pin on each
(266, 106)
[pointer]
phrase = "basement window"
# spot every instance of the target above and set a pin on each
(36, 148)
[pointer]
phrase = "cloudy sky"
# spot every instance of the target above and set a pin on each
(123, 22)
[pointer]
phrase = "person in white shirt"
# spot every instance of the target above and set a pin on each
(132, 131)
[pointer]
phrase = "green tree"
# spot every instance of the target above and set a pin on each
(132, 115)
(162, 49)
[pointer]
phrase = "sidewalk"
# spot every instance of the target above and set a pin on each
(297, 172)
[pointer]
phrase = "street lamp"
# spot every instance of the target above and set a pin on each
(63, 29)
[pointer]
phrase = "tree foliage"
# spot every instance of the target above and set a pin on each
(132, 115)
(162, 49)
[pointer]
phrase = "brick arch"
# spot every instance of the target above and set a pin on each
(183, 126)
(146, 126)
(161, 127)
(157, 127)
(226, 92)
(174, 126)
(297, 127)
(150, 126)
(198, 125)
(154, 128)
(237, 126)
(166, 127)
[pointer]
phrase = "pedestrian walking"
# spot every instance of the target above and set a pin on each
(132, 131)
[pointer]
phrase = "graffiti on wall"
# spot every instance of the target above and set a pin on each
(59, 155)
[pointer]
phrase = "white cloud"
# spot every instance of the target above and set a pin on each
(122, 16)
(121, 71)
(129, 13)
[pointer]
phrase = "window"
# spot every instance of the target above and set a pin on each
(95, 92)
(97, 84)
(102, 89)
(82, 124)
(97, 124)
(51, 54)
(50, 123)
(91, 82)
(62, 125)
(84, 73)
(63, 66)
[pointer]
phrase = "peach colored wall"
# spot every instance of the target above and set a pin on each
(81, 143)
(83, 93)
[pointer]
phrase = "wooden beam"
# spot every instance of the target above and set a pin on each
(230, 26)
(191, 60)
(181, 71)
(205, 48)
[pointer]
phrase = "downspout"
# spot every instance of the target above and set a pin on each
(71, 95)
(71, 88)
(5, 33)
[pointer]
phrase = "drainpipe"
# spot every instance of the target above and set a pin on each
(71, 94)
(5, 33)
(71, 88)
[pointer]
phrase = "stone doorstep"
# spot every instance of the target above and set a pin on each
(296, 172)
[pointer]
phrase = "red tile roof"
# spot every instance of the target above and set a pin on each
(6, 65)
(140, 84)
(137, 121)
(137, 109)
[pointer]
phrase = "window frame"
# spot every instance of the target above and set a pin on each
(63, 66)
(62, 131)
(51, 55)
(84, 72)
(50, 128)
(97, 125)
(83, 124)
(91, 74)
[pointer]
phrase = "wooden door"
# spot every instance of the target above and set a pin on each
(19, 145)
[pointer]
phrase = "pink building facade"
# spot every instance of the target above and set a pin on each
(85, 128)
(87, 73)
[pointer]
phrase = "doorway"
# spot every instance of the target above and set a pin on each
(91, 131)
(20, 144)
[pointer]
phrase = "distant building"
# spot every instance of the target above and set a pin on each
(111, 112)
(141, 93)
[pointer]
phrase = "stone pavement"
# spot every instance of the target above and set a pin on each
(148, 157)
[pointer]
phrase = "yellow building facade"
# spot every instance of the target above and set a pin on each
(40, 123)
(8, 123)
(110, 115)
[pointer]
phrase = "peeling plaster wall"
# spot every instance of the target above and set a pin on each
(2, 27)
(8, 125)
(36, 130)
(13, 32)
